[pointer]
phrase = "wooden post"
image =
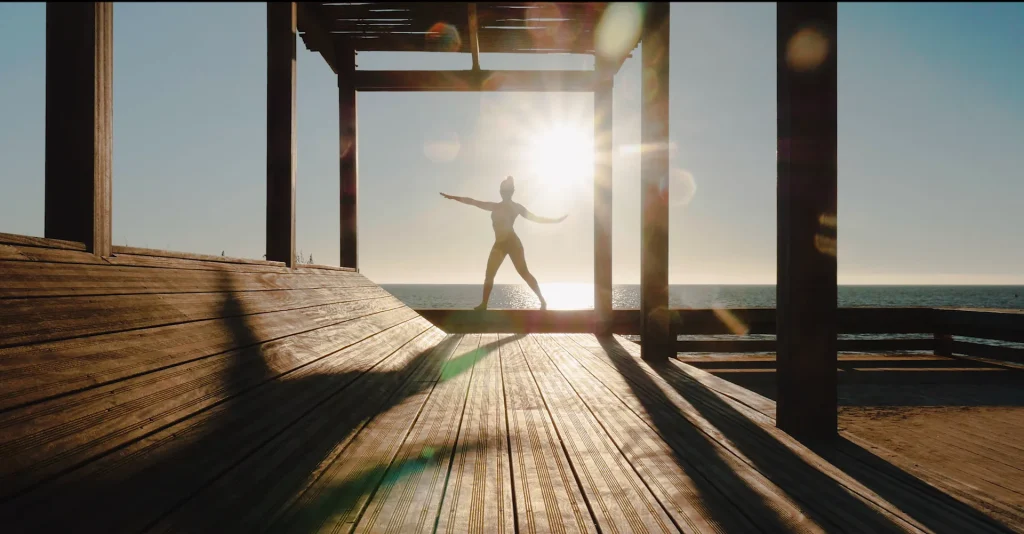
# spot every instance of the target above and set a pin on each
(806, 288)
(281, 155)
(349, 166)
(943, 344)
(657, 341)
(474, 37)
(79, 123)
(603, 197)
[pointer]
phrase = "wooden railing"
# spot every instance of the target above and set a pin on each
(943, 325)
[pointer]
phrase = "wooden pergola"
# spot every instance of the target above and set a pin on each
(79, 76)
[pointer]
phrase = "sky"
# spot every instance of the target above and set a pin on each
(931, 125)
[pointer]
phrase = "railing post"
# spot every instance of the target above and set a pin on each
(348, 154)
(603, 103)
(79, 123)
(656, 333)
(943, 344)
(806, 288)
(281, 156)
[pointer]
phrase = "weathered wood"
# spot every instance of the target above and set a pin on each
(25, 321)
(655, 319)
(42, 242)
(79, 123)
(281, 154)
(768, 345)
(603, 156)
(478, 496)
(684, 467)
(806, 286)
(344, 440)
(619, 500)
(136, 251)
(29, 279)
(409, 498)
(548, 498)
(528, 321)
(471, 80)
(348, 156)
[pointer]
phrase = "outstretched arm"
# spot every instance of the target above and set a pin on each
(530, 216)
(489, 206)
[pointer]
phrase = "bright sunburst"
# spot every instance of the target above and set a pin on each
(562, 155)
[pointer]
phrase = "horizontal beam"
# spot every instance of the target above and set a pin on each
(315, 35)
(467, 80)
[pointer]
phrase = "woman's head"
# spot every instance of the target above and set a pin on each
(508, 187)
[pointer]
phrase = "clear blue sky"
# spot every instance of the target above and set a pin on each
(931, 130)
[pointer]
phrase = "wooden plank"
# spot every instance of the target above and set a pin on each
(807, 290)
(603, 151)
(312, 267)
(281, 155)
(36, 372)
(150, 475)
(79, 123)
(82, 425)
(769, 345)
(193, 264)
(13, 254)
(478, 497)
(22, 279)
(409, 497)
(369, 418)
(548, 497)
(28, 321)
(337, 493)
(655, 319)
(136, 251)
(348, 132)
(702, 489)
(617, 496)
(469, 80)
(42, 242)
(819, 487)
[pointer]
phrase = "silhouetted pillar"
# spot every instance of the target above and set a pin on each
(349, 166)
(603, 198)
(281, 154)
(657, 341)
(79, 123)
(806, 287)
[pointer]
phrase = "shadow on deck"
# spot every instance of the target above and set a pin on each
(480, 432)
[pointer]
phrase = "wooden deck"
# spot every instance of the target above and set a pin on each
(141, 393)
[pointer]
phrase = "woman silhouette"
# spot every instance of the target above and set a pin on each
(506, 242)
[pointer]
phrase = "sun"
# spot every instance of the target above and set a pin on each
(562, 156)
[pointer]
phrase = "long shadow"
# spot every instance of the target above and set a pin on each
(804, 482)
(229, 467)
(808, 486)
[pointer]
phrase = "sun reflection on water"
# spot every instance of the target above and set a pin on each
(560, 296)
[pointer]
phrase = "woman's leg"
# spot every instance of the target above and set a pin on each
(493, 262)
(518, 256)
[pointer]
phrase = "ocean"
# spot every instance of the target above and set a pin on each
(580, 296)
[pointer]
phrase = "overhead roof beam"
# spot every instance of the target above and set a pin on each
(481, 80)
(315, 36)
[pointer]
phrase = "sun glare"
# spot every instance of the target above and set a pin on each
(562, 156)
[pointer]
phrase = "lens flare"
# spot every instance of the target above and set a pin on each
(618, 30)
(806, 50)
(443, 37)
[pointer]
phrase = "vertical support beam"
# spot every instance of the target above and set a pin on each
(281, 154)
(657, 341)
(79, 123)
(474, 36)
(603, 197)
(349, 163)
(806, 286)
